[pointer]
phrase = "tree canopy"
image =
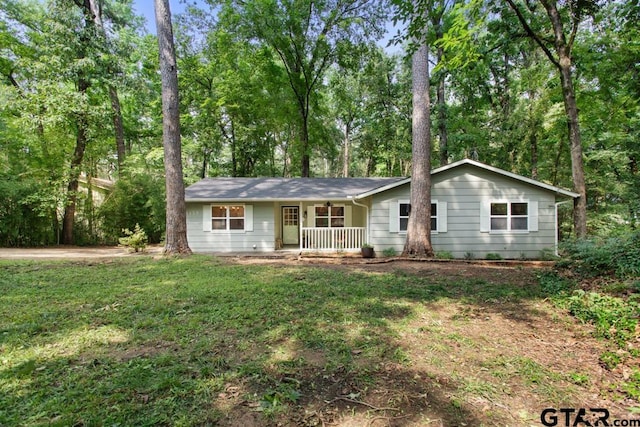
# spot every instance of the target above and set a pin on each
(301, 88)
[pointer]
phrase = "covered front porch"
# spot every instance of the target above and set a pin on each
(333, 225)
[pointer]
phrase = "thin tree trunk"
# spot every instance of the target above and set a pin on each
(304, 139)
(176, 232)
(443, 138)
(442, 119)
(563, 63)
(82, 125)
(118, 126)
(74, 174)
(418, 241)
(577, 166)
(347, 143)
(93, 7)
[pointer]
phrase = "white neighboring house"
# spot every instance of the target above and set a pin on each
(476, 209)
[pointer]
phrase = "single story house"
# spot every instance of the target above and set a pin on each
(476, 210)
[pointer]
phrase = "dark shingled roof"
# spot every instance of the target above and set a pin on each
(256, 189)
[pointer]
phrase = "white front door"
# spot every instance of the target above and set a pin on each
(290, 225)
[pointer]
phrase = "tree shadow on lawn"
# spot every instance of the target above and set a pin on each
(261, 345)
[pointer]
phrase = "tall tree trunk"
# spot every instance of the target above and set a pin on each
(94, 8)
(443, 143)
(304, 145)
(418, 241)
(443, 137)
(176, 233)
(74, 174)
(564, 64)
(118, 126)
(345, 154)
(82, 125)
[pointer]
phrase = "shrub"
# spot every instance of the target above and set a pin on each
(28, 215)
(594, 257)
(493, 256)
(136, 239)
(136, 198)
(444, 255)
(389, 252)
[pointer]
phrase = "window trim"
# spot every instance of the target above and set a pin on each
(329, 217)
(408, 202)
(228, 218)
(509, 216)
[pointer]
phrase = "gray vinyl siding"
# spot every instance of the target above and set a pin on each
(262, 236)
(464, 189)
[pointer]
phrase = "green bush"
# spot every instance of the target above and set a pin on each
(28, 213)
(493, 256)
(389, 252)
(136, 239)
(596, 257)
(137, 198)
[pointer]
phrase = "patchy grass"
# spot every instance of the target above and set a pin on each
(200, 341)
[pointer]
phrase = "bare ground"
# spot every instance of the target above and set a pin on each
(494, 363)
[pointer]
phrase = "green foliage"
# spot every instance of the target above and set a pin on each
(136, 198)
(616, 255)
(443, 255)
(493, 256)
(632, 385)
(389, 252)
(28, 214)
(136, 239)
(552, 284)
(614, 318)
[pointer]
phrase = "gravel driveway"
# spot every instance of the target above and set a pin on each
(71, 252)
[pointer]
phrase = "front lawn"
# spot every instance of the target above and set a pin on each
(204, 341)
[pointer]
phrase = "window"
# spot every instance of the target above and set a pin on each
(405, 210)
(509, 216)
(329, 216)
(229, 217)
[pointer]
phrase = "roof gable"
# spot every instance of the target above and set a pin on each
(459, 163)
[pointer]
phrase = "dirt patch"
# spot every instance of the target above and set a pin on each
(495, 362)
(73, 252)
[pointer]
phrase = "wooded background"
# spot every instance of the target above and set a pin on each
(304, 88)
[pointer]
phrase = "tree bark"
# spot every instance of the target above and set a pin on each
(176, 232)
(118, 126)
(418, 241)
(82, 125)
(68, 219)
(93, 7)
(443, 141)
(568, 93)
(345, 154)
(563, 63)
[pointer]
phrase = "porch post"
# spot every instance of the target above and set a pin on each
(300, 225)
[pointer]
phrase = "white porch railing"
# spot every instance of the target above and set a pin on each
(332, 239)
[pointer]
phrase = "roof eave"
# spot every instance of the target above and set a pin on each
(382, 189)
(264, 200)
